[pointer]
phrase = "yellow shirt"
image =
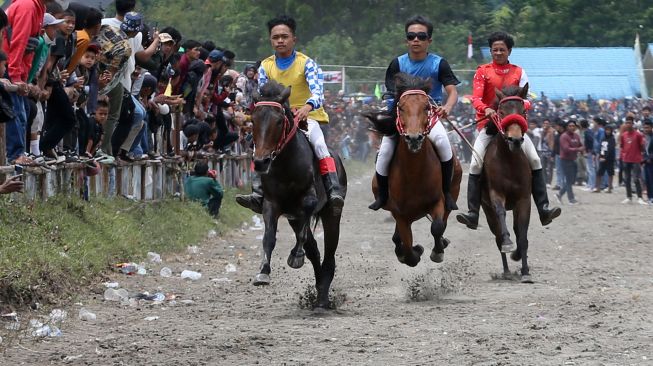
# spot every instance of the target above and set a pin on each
(295, 78)
(83, 40)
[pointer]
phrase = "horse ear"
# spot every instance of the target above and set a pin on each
(499, 94)
(381, 122)
(285, 94)
(523, 93)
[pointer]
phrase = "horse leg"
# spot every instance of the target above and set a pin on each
(521, 217)
(498, 204)
(398, 246)
(297, 254)
(312, 251)
(412, 255)
(331, 225)
(495, 227)
(271, 219)
(438, 226)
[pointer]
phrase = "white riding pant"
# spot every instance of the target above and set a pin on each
(480, 145)
(438, 137)
(316, 138)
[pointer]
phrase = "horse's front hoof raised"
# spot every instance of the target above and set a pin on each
(508, 247)
(437, 257)
(321, 308)
(262, 279)
(445, 243)
(526, 279)
(296, 261)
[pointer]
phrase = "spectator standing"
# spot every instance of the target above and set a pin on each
(648, 158)
(570, 146)
(204, 189)
(631, 143)
(588, 143)
(25, 18)
(92, 25)
(606, 158)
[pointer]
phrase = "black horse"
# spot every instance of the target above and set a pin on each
(292, 186)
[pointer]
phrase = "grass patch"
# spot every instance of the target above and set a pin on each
(49, 249)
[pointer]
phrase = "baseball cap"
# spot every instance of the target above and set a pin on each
(133, 22)
(225, 56)
(165, 37)
(49, 19)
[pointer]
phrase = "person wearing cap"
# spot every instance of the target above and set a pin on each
(93, 22)
(498, 74)
(248, 83)
(218, 62)
(292, 68)
(25, 19)
(631, 143)
(203, 188)
(570, 146)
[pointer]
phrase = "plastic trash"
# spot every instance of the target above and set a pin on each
(165, 272)
(258, 224)
(86, 315)
(151, 318)
(193, 249)
(47, 331)
(154, 297)
(142, 271)
(230, 268)
(153, 257)
(191, 275)
(212, 234)
(111, 284)
(115, 295)
(58, 315)
(128, 268)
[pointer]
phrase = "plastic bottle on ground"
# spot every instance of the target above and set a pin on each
(191, 275)
(86, 315)
(153, 257)
(115, 295)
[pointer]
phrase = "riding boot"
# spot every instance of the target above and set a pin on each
(253, 201)
(332, 187)
(383, 193)
(542, 200)
(447, 177)
(473, 202)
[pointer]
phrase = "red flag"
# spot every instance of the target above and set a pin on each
(470, 48)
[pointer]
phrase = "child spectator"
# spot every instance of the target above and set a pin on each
(202, 188)
(94, 131)
(92, 25)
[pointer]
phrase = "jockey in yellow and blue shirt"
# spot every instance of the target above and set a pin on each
(298, 71)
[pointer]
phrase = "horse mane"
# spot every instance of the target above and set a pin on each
(271, 91)
(405, 82)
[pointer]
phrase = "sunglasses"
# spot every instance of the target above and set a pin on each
(422, 36)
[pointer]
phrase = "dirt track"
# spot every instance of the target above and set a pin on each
(591, 303)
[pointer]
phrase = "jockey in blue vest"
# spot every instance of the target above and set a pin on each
(419, 62)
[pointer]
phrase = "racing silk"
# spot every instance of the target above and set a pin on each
(302, 75)
(425, 69)
(491, 76)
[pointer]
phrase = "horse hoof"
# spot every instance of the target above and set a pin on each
(437, 257)
(295, 261)
(262, 279)
(507, 248)
(419, 250)
(515, 256)
(526, 279)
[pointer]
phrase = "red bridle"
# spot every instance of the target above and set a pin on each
(503, 122)
(432, 115)
(286, 135)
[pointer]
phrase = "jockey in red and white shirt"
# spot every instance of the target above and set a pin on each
(499, 74)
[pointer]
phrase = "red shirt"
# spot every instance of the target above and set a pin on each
(569, 144)
(25, 20)
(632, 145)
(486, 79)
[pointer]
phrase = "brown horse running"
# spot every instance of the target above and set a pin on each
(415, 179)
(506, 178)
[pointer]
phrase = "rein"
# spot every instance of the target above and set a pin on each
(501, 123)
(287, 135)
(432, 115)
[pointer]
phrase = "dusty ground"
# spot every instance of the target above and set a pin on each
(590, 305)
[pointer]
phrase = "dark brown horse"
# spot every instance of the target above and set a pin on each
(506, 178)
(415, 179)
(292, 187)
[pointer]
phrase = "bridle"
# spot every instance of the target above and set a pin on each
(502, 122)
(433, 116)
(289, 130)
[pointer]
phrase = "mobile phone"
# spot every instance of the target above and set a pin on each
(19, 172)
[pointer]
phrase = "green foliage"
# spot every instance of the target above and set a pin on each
(53, 247)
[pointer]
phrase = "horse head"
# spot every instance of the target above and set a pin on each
(415, 113)
(272, 124)
(511, 109)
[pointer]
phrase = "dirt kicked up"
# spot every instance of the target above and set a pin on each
(590, 304)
